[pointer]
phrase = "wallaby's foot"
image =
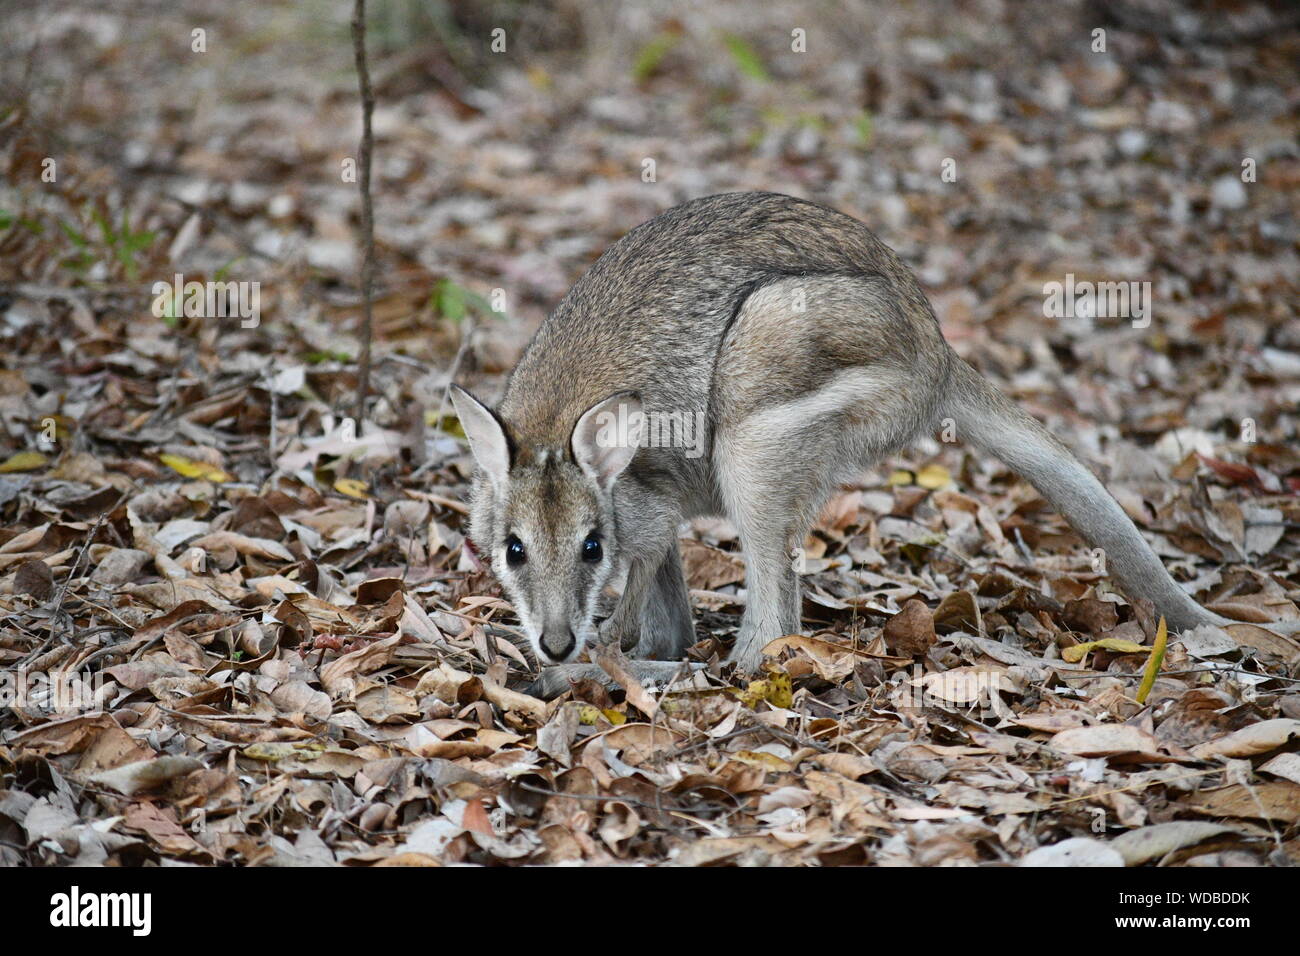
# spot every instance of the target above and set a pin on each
(747, 652)
(554, 681)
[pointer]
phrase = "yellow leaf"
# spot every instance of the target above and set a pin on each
(762, 760)
(779, 691)
(590, 716)
(448, 424)
(752, 695)
(352, 488)
(539, 78)
(194, 469)
(933, 476)
(1075, 654)
(24, 461)
(271, 752)
(1153, 664)
(775, 689)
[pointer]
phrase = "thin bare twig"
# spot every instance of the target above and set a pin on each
(367, 208)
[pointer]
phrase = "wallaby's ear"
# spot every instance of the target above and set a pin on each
(607, 436)
(487, 439)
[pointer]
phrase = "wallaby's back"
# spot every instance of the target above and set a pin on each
(651, 314)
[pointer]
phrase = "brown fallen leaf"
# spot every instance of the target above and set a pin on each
(446, 683)
(408, 859)
(386, 704)
(716, 849)
(709, 568)
(1076, 851)
(1264, 640)
(1286, 766)
(34, 579)
(555, 738)
(910, 632)
(1277, 800)
(1255, 739)
(338, 677)
(611, 660)
(1119, 741)
(133, 778)
(1160, 839)
(959, 611)
(639, 742)
(159, 824)
(1091, 615)
(230, 542)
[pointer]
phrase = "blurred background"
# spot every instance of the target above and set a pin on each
(515, 169)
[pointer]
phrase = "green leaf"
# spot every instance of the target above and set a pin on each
(220, 274)
(317, 357)
(450, 299)
(652, 54)
(746, 58)
(865, 127)
(77, 238)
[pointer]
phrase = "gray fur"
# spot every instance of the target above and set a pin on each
(809, 352)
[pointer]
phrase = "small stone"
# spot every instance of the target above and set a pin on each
(1228, 192)
(1132, 142)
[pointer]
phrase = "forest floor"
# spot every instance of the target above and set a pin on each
(283, 650)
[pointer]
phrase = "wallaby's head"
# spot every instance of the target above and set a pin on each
(545, 516)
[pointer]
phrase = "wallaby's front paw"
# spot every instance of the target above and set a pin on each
(617, 633)
(554, 681)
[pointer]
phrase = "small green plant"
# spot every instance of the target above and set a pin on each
(454, 302)
(746, 58)
(319, 357)
(652, 54)
(120, 245)
(865, 127)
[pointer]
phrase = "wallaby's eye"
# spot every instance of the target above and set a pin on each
(591, 550)
(515, 552)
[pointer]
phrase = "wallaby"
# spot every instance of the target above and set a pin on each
(739, 355)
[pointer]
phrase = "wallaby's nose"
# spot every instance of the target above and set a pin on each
(558, 642)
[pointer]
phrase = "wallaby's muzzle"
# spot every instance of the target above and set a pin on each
(558, 642)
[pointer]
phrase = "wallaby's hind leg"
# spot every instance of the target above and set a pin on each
(769, 487)
(819, 378)
(777, 469)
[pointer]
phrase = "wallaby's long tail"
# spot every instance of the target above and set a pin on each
(989, 420)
